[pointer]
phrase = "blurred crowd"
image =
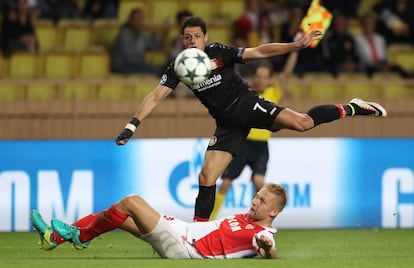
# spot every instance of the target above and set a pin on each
(381, 23)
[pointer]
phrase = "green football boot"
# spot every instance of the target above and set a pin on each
(69, 233)
(45, 231)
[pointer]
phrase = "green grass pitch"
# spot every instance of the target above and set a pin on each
(297, 248)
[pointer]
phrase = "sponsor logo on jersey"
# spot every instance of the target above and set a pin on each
(209, 83)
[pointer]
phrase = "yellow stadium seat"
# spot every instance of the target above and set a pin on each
(141, 89)
(94, 64)
(125, 7)
(324, 91)
(11, 91)
(77, 37)
(202, 8)
(41, 91)
(78, 90)
(114, 91)
(105, 32)
(219, 33)
(59, 65)
(164, 11)
(24, 65)
(4, 66)
(396, 91)
(363, 90)
(405, 59)
(231, 9)
(156, 58)
(47, 35)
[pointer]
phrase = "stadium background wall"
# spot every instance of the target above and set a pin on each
(331, 182)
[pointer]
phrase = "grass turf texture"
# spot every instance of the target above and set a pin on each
(297, 248)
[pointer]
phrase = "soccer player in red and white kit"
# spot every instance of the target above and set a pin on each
(237, 236)
(235, 108)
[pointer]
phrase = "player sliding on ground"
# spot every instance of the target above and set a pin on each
(237, 236)
(236, 108)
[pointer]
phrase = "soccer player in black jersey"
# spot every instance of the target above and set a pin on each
(235, 107)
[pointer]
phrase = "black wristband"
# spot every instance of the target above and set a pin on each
(135, 121)
(133, 124)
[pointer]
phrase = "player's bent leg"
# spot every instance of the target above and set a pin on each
(167, 242)
(290, 119)
(45, 231)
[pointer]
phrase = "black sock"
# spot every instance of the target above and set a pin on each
(324, 113)
(204, 202)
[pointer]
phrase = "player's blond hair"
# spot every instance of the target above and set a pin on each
(280, 192)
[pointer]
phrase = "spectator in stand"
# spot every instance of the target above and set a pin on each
(175, 46)
(63, 9)
(249, 20)
(338, 47)
(396, 21)
(131, 44)
(309, 59)
(95, 9)
(349, 7)
(372, 49)
(18, 30)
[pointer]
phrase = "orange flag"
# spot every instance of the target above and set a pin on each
(317, 17)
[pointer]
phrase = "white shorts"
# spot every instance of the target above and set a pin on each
(169, 239)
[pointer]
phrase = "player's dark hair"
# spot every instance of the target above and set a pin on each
(194, 21)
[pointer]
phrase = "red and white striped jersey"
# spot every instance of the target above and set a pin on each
(230, 237)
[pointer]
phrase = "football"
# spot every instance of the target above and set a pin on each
(192, 66)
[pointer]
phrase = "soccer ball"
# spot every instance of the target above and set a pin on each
(192, 66)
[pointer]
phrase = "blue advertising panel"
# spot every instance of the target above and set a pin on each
(331, 182)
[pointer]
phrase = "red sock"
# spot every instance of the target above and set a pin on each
(83, 222)
(107, 220)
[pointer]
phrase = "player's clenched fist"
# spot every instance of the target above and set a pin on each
(127, 132)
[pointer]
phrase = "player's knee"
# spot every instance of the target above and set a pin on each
(302, 124)
(131, 201)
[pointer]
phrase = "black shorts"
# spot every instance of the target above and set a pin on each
(250, 111)
(255, 154)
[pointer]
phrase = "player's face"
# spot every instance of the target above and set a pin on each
(261, 79)
(263, 206)
(194, 37)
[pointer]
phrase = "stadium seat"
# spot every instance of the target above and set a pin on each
(142, 88)
(219, 33)
(77, 34)
(164, 11)
(105, 32)
(405, 59)
(230, 9)
(11, 91)
(24, 65)
(396, 91)
(94, 64)
(47, 35)
(114, 91)
(79, 91)
(363, 90)
(4, 66)
(125, 7)
(59, 65)
(41, 90)
(324, 91)
(202, 8)
(156, 58)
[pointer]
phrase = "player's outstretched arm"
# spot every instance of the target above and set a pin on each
(274, 49)
(148, 104)
(266, 248)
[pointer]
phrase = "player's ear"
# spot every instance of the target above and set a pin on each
(274, 212)
(206, 38)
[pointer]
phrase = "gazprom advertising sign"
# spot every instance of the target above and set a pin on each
(331, 182)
